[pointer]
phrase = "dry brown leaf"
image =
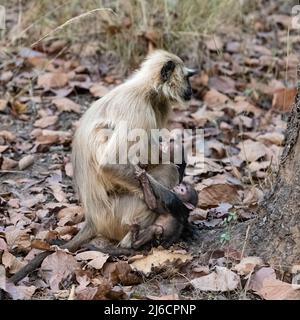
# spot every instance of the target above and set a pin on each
(8, 163)
(7, 135)
(261, 50)
(283, 99)
(97, 258)
(202, 116)
(243, 106)
(274, 154)
(38, 62)
(2, 277)
(221, 210)
(253, 196)
(53, 80)
(85, 293)
(233, 46)
(99, 90)
(65, 104)
(214, 98)
(26, 161)
(57, 267)
(251, 62)
(284, 20)
(11, 263)
(212, 196)
(90, 255)
(160, 258)
(69, 169)
(103, 285)
(267, 89)
(244, 121)
(209, 165)
(257, 166)
(291, 60)
(214, 44)
(3, 148)
(66, 232)
(218, 148)
(3, 245)
(247, 265)
(19, 107)
(295, 269)
(222, 84)
(17, 238)
(49, 137)
(46, 122)
(58, 193)
(30, 202)
(55, 185)
(257, 278)
(41, 245)
(251, 150)
(222, 279)
(198, 214)
(173, 296)
(120, 272)
(201, 270)
(274, 289)
(57, 46)
(3, 104)
(70, 216)
(272, 137)
(20, 292)
(64, 136)
(6, 76)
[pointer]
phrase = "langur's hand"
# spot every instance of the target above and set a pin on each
(153, 232)
(149, 196)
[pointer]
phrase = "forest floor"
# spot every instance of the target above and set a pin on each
(246, 86)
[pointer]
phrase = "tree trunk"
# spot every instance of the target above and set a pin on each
(275, 234)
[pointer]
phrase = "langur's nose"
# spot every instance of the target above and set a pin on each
(191, 72)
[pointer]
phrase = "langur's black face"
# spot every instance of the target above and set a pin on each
(186, 193)
(177, 76)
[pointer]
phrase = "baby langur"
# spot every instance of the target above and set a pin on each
(169, 225)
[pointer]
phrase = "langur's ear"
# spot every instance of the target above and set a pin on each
(167, 70)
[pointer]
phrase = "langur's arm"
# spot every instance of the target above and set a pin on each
(147, 189)
(169, 200)
(125, 177)
(171, 204)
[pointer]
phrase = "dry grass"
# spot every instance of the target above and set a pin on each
(128, 28)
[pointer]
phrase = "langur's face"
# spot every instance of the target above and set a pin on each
(187, 194)
(176, 79)
(182, 191)
(187, 91)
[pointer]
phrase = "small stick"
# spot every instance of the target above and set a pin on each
(12, 171)
(31, 266)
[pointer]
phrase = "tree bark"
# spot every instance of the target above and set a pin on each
(275, 234)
